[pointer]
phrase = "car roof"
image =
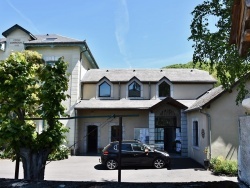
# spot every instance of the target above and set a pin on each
(127, 141)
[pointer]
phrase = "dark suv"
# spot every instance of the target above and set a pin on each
(134, 153)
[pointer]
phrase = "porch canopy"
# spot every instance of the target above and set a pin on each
(130, 104)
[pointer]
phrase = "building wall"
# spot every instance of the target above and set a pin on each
(190, 91)
(197, 153)
(224, 115)
(224, 125)
(95, 117)
(180, 91)
(14, 42)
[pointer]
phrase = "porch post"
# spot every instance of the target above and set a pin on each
(151, 126)
(184, 134)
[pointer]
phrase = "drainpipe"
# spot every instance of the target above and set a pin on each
(209, 129)
(119, 90)
(149, 88)
(74, 150)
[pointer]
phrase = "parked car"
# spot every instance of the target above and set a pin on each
(133, 153)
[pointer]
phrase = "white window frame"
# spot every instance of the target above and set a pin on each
(51, 59)
(195, 135)
(111, 89)
(157, 88)
(127, 91)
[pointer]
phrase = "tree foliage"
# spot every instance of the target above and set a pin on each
(213, 47)
(201, 66)
(28, 89)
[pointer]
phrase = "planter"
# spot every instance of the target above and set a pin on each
(206, 163)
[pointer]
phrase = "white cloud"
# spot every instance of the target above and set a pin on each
(122, 28)
(23, 16)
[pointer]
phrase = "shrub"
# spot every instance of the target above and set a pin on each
(7, 154)
(59, 154)
(219, 166)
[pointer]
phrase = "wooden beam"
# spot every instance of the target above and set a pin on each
(246, 36)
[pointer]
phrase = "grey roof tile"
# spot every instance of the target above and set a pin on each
(116, 104)
(148, 75)
(52, 38)
(206, 98)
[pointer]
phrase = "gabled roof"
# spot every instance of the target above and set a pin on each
(53, 40)
(207, 98)
(149, 75)
(10, 30)
(169, 100)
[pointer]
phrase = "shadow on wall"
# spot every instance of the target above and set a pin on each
(231, 153)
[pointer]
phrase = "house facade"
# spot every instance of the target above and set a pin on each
(52, 47)
(151, 101)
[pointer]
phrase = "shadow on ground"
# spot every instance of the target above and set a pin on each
(54, 184)
(176, 163)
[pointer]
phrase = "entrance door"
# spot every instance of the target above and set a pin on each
(92, 138)
(169, 138)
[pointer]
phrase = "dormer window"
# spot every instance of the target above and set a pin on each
(164, 89)
(134, 89)
(104, 89)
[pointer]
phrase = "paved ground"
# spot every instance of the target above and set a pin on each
(88, 168)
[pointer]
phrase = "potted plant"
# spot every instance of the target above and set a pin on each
(206, 160)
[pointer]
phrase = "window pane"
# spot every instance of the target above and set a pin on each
(134, 90)
(104, 90)
(159, 135)
(195, 133)
(115, 133)
(164, 89)
(142, 135)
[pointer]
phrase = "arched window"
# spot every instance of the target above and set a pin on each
(134, 90)
(164, 89)
(104, 90)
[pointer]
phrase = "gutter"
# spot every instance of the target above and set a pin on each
(209, 129)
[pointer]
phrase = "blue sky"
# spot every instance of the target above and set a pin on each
(120, 33)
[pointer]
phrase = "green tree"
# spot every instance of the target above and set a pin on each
(201, 66)
(28, 89)
(213, 47)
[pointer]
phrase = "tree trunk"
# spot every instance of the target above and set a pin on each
(34, 163)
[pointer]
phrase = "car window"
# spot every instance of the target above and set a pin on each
(125, 147)
(138, 147)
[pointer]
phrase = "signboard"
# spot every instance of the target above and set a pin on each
(16, 42)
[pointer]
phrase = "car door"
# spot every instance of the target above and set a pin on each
(141, 157)
(127, 157)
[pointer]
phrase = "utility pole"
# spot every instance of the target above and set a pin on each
(120, 149)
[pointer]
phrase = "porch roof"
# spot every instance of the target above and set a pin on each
(123, 104)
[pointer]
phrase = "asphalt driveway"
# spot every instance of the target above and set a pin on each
(88, 168)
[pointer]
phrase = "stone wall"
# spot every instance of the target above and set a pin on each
(244, 150)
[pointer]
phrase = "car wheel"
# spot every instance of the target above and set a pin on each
(159, 163)
(111, 164)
